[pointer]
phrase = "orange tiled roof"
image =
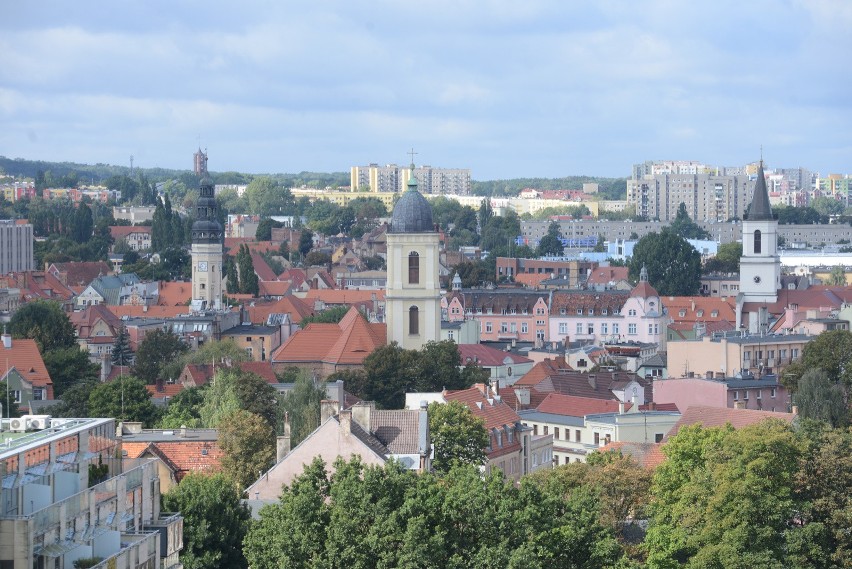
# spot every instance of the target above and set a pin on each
(646, 455)
(84, 320)
(201, 374)
(174, 293)
(605, 275)
(80, 273)
(294, 306)
(148, 311)
(122, 231)
(262, 269)
(348, 342)
(721, 416)
(542, 370)
(494, 412)
(531, 279)
(25, 357)
(182, 456)
(167, 390)
(273, 288)
(574, 406)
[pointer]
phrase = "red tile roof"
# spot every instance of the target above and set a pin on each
(274, 288)
(294, 306)
(644, 290)
(720, 416)
(79, 273)
(174, 293)
(486, 356)
(86, 319)
(495, 413)
(26, 359)
(181, 455)
(200, 374)
(121, 231)
(543, 369)
(606, 275)
(348, 342)
(646, 455)
(262, 269)
(574, 406)
(349, 297)
(164, 390)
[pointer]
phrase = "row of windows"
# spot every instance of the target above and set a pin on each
(770, 354)
(591, 311)
(758, 394)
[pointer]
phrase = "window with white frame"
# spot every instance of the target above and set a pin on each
(563, 328)
(579, 327)
(631, 329)
(524, 328)
(604, 328)
(615, 328)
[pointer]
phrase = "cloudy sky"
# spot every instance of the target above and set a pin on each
(506, 88)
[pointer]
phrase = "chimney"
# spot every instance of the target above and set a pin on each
(345, 418)
(522, 393)
(361, 413)
(593, 381)
(282, 443)
(7, 341)
(328, 409)
(131, 427)
(183, 431)
(423, 445)
(621, 407)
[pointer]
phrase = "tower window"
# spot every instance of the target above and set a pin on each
(413, 268)
(757, 241)
(413, 321)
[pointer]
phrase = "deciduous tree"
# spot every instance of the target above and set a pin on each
(674, 266)
(125, 399)
(45, 322)
(458, 436)
(248, 445)
(156, 350)
(215, 521)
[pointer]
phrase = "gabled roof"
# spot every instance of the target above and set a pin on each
(262, 268)
(574, 406)
(606, 275)
(26, 359)
(398, 430)
(721, 416)
(493, 411)
(84, 320)
(122, 231)
(543, 369)
(486, 356)
(499, 300)
(274, 288)
(297, 309)
(644, 290)
(79, 273)
(348, 342)
(154, 312)
(700, 308)
(164, 390)
(201, 374)
(183, 454)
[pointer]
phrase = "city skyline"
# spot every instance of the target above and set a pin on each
(508, 90)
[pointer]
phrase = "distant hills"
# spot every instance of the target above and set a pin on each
(609, 188)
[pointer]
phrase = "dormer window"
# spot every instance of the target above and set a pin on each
(604, 311)
(591, 312)
(700, 313)
(579, 312)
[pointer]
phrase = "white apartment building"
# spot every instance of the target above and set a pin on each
(53, 513)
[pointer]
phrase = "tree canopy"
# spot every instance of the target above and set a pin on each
(45, 322)
(674, 266)
(126, 399)
(157, 349)
(683, 225)
(458, 436)
(215, 521)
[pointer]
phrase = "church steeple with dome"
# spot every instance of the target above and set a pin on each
(413, 296)
(207, 251)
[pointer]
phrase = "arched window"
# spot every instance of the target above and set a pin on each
(413, 268)
(757, 241)
(413, 321)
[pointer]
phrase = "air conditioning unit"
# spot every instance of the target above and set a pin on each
(18, 425)
(39, 421)
(54, 423)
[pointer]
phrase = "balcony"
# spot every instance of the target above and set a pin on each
(170, 528)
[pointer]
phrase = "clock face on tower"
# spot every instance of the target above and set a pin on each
(202, 266)
(757, 279)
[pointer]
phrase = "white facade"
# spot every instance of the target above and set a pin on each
(413, 296)
(207, 273)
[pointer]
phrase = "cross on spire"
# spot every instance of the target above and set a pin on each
(412, 153)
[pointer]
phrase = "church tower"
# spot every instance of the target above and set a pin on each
(207, 255)
(760, 265)
(413, 296)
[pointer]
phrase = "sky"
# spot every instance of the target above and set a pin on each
(508, 89)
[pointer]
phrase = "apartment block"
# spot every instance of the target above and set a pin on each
(16, 247)
(66, 496)
(394, 178)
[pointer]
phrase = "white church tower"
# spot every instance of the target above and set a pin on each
(207, 250)
(760, 265)
(413, 296)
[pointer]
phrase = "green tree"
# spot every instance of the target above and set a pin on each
(302, 405)
(265, 227)
(69, 366)
(317, 258)
(184, 409)
(837, 276)
(46, 323)
(215, 352)
(264, 196)
(83, 224)
(831, 352)
(550, 245)
(306, 242)
(75, 400)
(232, 276)
(248, 278)
(458, 436)
(727, 259)
(156, 350)
(248, 447)
(122, 354)
(215, 521)
(674, 266)
(821, 399)
(683, 226)
(126, 399)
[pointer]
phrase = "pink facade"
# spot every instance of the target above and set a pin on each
(764, 394)
(504, 319)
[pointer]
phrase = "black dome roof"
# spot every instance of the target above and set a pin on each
(412, 213)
